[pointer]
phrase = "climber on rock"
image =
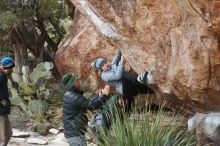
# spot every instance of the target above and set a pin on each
(125, 83)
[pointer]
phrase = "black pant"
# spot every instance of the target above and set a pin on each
(131, 88)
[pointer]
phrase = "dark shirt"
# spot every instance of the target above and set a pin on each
(4, 109)
(74, 111)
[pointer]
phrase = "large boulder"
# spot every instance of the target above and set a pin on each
(178, 41)
(206, 128)
(81, 45)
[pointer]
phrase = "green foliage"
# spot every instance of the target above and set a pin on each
(34, 84)
(41, 71)
(33, 92)
(147, 129)
(58, 116)
(52, 7)
(17, 100)
(42, 129)
(10, 19)
(36, 106)
(17, 13)
(56, 106)
(12, 13)
(41, 126)
(15, 10)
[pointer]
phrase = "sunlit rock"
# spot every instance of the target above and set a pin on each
(177, 41)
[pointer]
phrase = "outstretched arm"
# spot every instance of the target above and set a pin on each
(117, 58)
(95, 102)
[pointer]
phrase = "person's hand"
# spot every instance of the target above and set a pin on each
(117, 50)
(3, 102)
(123, 58)
(106, 90)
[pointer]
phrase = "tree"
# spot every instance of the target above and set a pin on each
(32, 29)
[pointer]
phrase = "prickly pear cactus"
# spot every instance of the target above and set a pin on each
(25, 70)
(36, 106)
(42, 129)
(25, 75)
(15, 77)
(41, 71)
(32, 91)
(16, 100)
(19, 102)
(46, 66)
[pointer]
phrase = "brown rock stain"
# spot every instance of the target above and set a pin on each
(177, 40)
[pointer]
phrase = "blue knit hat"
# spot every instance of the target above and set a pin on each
(7, 63)
(98, 63)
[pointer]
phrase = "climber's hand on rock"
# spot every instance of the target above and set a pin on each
(123, 58)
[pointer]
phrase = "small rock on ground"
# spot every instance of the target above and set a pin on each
(37, 141)
(54, 131)
(18, 133)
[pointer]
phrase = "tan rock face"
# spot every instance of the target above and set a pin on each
(177, 40)
(81, 45)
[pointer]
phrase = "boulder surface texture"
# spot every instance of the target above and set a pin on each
(178, 41)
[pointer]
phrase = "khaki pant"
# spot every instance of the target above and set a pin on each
(5, 130)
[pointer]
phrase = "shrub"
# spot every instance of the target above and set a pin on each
(147, 129)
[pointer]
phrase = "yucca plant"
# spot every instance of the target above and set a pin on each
(56, 106)
(146, 129)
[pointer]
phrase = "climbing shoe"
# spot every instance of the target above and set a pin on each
(143, 77)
